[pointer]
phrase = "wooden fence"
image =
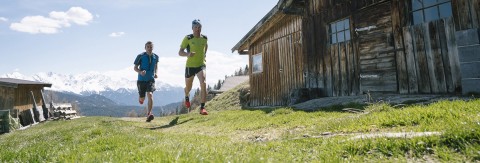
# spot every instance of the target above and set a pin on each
(4, 121)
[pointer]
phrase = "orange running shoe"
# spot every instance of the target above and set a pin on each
(203, 111)
(187, 103)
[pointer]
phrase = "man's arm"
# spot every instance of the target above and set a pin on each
(182, 53)
(155, 71)
(206, 48)
(137, 69)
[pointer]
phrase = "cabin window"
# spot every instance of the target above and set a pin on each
(430, 10)
(339, 31)
(257, 63)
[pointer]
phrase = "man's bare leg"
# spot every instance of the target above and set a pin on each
(188, 87)
(203, 91)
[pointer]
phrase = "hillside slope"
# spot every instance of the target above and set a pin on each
(229, 100)
(445, 131)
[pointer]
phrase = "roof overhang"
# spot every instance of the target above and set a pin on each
(283, 7)
(14, 83)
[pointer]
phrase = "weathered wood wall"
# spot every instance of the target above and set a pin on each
(337, 67)
(386, 52)
(429, 62)
(432, 57)
(23, 99)
(7, 98)
(392, 56)
(373, 36)
(282, 52)
(24, 103)
(466, 14)
(19, 100)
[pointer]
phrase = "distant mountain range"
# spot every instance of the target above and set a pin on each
(98, 105)
(120, 91)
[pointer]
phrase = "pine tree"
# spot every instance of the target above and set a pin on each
(246, 70)
(240, 73)
(219, 84)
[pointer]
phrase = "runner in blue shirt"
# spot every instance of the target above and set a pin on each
(146, 67)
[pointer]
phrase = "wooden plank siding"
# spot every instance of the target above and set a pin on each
(400, 57)
(466, 13)
(332, 66)
(386, 53)
(374, 33)
(7, 98)
(398, 21)
(23, 97)
(338, 65)
(434, 57)
(311, 77)
(282, 59)
(20, 98)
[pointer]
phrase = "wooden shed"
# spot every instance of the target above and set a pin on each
(23, 99)
(275, 49)
(313, 48)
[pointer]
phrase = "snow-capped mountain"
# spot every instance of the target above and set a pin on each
(121, 90)
(90, 82)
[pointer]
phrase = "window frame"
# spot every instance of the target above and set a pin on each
(257, 63)
(418, 8)
(342, 28)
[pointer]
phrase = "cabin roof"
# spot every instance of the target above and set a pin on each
(247, 38)
(11, 82)
(232, 82)
(275, 14)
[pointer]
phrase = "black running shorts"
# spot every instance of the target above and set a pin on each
(145, 86)
(192, 71)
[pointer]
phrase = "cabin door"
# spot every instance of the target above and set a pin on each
(375, 46)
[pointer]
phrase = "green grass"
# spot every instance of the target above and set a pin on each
(253, 135)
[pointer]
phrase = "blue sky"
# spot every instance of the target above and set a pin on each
(74, 37)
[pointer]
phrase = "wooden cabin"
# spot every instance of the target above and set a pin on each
(304, 49)
(23, 99)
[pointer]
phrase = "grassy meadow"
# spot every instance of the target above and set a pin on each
(232, 134)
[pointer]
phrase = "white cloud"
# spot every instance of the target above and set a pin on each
(117, 34)
(219, 65)
(54, 22)
(171, 70)
(36, 24)
(3, 19)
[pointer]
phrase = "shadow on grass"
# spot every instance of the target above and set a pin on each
(172, 123)
(332, 108)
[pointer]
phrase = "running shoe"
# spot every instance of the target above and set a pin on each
(203, 111)
(150, 118)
